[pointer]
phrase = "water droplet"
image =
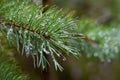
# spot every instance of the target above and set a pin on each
(59, 19)
(44, 24)
(20, 31)
(58, 55)
(9, 32)
(64, 59)
(43, 67)
(62, 23)
(47, 52)
(25, 31)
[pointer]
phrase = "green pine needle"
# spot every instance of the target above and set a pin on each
(9, 70)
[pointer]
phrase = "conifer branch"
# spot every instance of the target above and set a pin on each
(38, 35)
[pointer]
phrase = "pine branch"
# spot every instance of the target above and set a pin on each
(39, 35)
(102, 42)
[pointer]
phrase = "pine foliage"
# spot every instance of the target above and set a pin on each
(8, 68)
(102, 41)
(38, 34)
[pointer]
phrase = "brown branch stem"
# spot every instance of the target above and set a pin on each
(25, 27)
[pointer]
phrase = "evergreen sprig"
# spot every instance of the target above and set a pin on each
(39, 34)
